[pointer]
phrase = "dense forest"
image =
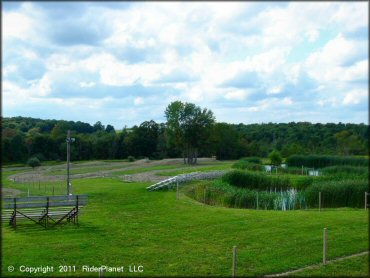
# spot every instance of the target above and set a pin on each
(24, 137)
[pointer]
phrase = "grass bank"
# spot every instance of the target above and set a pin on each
(123, 224)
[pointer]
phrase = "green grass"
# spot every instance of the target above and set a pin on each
(352, 267)
(124, 224)
(13, 165)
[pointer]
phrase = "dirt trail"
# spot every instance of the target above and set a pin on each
(42, 175)
(10, 192)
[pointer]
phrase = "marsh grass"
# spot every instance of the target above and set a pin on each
(263, 181)
(321, 161)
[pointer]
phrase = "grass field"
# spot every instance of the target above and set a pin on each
(125, 225)
(352, 267)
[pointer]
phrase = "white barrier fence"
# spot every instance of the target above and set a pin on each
(172, 182)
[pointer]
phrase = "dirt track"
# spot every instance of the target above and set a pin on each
(42, 174)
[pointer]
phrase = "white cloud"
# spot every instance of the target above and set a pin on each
(287, 101)
(355, 97)
(205, 53)
(274, 90)
(87, 84)
(312, 35)
(350, 16)
(236, 95)
(17, 25)
(270, 61)
(9, 69)
(336, 52)
(138, 101)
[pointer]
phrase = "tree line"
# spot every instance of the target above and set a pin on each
(189, 132)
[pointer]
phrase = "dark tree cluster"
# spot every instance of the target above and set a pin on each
(190, 132)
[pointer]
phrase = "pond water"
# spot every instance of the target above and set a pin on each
(281, 200)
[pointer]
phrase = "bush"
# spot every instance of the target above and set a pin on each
(40, 157)
(247, 165)
(275, 158)
(343, 193)
(321, 161)
(131, 158)
(252, 159)
(33, 162)
(250, 163)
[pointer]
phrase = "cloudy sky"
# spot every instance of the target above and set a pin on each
(123, 63)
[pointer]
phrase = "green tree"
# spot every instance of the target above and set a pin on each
(98, 126)
(225, 141)
(33, 162)
(189, 127)
(110, 128)
(348, 143)
(275, 158)
(59, 131)
(290, 149)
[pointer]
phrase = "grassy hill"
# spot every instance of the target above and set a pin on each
(124, 225)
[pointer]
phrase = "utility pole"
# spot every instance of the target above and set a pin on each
(69, 140)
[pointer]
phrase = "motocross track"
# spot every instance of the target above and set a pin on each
(106, 169)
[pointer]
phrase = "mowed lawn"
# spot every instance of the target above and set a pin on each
(124, 225)
(351, 267)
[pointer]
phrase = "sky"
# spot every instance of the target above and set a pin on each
(123, 63)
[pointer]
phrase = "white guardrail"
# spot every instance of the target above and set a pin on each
(171, 182)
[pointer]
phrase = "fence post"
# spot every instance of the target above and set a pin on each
(234, 262)
(100, 272)
(257, 199)
(320, 201)
(365, 200)
(177, 188)
(324, 247)
(302, 170)
(204, 195)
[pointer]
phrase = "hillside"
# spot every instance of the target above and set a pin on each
(24, 137)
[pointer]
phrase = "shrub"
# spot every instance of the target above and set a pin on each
(247, 165)
(321, 161)
(40, 157)
(131, 158)
(252, 159)
(33, 162)
(275, 158)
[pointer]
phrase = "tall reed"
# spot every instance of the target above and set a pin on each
(262, 181)
(320, 161)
